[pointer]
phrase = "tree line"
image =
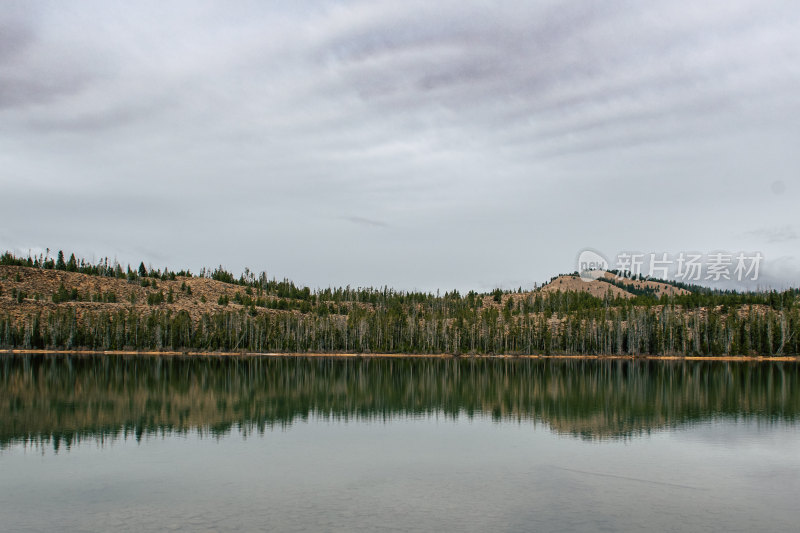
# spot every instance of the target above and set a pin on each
(626, 330)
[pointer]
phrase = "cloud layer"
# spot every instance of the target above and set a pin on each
(464, 144)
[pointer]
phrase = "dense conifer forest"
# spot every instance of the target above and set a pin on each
(67, 303)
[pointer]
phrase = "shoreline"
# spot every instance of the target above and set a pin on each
(729, 358)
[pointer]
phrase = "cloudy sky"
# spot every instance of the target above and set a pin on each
(416, 144)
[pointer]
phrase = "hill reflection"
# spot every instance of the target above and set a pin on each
(62, 399)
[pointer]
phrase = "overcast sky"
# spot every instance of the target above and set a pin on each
(416, 144)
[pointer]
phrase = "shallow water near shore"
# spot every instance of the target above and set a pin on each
(219, 443)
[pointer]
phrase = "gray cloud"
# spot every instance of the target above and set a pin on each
(15, 36)
(363, 221)
(488, 142)
(775, 235)
(32, 70)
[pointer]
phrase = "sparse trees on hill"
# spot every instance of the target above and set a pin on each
(275, 315)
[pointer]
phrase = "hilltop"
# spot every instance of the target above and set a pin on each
(615, 286)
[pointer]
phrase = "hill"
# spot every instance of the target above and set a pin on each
(24, 290)
(613, 286)
(72, 304)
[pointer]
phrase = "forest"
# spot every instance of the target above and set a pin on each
(253, 313)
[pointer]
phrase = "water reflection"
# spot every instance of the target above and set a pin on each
(63, 399)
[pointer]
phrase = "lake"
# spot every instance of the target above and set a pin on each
(218, 443)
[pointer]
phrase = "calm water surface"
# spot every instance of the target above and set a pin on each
(95, 443)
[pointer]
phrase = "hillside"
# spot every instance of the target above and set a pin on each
(68, 305)
(86, 293)
(201, 295)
